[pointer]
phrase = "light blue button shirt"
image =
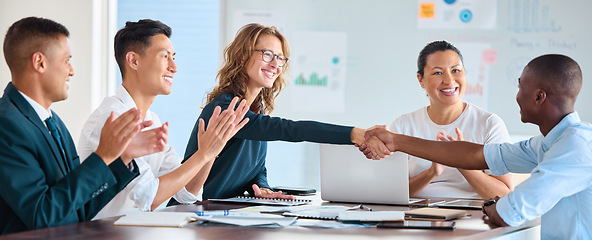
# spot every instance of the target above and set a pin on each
(560, 185)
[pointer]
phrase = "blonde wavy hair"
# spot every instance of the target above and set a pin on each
(233, 77)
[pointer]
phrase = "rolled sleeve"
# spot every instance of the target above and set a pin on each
(493, 158)
(144, 187)
(186, 197)
(507, 212)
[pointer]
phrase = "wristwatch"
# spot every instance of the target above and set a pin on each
(489, 202)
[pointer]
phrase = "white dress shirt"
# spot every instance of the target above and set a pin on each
(140, 192)
(40, 110)
(560, 185)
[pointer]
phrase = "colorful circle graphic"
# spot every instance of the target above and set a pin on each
(466, 15)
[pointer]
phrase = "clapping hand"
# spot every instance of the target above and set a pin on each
(443, 137)
(221, 127)
(147, 142)
(117, 133)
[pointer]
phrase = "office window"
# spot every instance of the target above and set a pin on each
(196, 27)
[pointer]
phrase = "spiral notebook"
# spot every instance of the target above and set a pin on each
(156, 219)
(316, 212)
(264, 201)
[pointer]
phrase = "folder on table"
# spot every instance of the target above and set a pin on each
(434, 214)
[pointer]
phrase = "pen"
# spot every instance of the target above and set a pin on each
(436, 203)
(365, 207)
(360, 207)
(425, 204)
(212, 213)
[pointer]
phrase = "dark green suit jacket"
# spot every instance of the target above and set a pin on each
(37, 187)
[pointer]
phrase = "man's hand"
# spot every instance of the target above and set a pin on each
(146, 142)
(117, 133)
(221, 127)
(383, 135)
(268, 193)
(494, 217)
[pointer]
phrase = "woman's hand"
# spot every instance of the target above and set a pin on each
(221, 127)
(268, 193)
(373, 147)
(443, 137)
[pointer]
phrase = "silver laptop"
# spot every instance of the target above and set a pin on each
(347, 176)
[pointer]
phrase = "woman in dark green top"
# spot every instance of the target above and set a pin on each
(254, 64)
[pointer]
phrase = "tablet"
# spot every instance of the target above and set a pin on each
(418, 225)
(462, 203)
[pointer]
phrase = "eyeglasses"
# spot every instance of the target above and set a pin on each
(268, 57)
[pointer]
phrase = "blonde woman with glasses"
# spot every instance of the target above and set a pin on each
(253, 69)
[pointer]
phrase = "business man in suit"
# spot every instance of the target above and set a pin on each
(42, 182)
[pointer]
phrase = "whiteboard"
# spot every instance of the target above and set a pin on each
(384, 37)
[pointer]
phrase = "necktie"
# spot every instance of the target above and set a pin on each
(56, 136)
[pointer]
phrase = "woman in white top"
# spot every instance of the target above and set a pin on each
(447, 118)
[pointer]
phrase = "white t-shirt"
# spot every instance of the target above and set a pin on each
(139, 194)
(477, 125)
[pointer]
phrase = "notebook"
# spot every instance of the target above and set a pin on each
(434, 214)
(157, 219)
(251, 219)
(347, 176)
(316, 212)
(264, 201)
(371, 216)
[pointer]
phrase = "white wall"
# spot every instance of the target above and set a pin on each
(77, 16)
(382, 43)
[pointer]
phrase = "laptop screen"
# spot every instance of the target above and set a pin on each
(347, 176)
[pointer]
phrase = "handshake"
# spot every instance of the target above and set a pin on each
(378, 142)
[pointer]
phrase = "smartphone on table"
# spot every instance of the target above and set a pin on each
(295, 190)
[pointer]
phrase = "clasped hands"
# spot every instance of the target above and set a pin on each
(379, 142)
